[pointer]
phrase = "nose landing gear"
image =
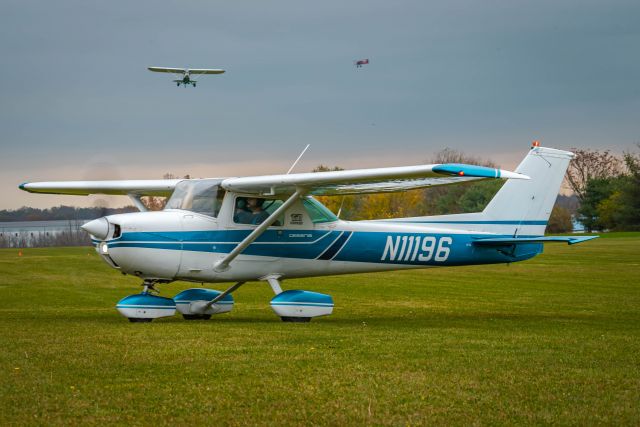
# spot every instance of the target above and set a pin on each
(146, 306)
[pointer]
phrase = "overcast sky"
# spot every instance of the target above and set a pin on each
(484, 77)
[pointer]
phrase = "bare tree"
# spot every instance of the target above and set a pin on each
(449, 155)
(157, 203)
(591, 164)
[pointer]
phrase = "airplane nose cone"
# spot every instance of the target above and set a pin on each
(98, 228)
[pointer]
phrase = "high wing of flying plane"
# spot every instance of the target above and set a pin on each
(186, 73)
(271, 228)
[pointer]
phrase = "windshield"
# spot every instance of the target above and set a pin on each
(317, 211)
(202, 196)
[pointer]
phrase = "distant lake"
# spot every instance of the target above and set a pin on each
(42, 226)
(21, 234)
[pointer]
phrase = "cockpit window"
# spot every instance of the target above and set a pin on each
(317, 211)
(254, 210)
(201, 196)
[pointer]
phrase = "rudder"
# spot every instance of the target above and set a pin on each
(527, 204)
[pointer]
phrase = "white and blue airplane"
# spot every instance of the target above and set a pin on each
(270, 228)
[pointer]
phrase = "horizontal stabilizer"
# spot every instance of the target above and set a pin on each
(506, 241)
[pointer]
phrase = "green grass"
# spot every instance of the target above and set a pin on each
(554, 340)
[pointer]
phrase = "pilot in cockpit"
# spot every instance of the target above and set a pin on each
(249, 210)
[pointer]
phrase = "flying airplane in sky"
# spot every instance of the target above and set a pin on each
(186, 73)
(271, 228)
(360, 62)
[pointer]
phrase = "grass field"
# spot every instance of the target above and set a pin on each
(554, 340)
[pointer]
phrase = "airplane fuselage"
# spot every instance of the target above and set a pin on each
(183, 245)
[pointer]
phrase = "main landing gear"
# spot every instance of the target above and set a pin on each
(296, 305)
(201, 303)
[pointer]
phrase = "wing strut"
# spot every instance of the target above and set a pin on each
(222, 295)
(135, 198)
(223, 264)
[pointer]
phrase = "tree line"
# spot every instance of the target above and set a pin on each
(467, 197)
(608, 189)
(60, 213)
(606, 196)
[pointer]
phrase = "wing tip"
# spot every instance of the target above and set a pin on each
(23, 186)
(460, 169)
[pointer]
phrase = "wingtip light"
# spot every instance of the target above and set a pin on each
(535, 143)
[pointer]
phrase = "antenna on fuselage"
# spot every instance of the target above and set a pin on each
(298, 159)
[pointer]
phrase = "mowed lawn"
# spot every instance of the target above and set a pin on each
(553, 340)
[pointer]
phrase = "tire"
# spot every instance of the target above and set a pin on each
(196, 316)
(296, 319)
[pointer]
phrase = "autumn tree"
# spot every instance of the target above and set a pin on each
(560, 221)
(460, 198)
(588, 165)
(157, 203)
(620, 210)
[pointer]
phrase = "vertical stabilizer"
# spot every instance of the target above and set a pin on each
(525, 205)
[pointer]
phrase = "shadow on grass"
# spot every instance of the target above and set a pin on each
(431, 319)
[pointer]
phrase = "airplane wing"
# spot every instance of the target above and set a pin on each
(152, 187)
(167, 70)
(205, 71)
(380, 180)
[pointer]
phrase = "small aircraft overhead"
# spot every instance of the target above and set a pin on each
(360, 62)
(186, 72)
(271, 228)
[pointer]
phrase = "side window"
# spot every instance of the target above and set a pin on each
(317, 211)
(254, 210)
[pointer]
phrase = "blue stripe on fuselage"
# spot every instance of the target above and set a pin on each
(411, 248)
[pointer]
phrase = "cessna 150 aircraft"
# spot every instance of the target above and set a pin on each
(186, 74)
(270, 228)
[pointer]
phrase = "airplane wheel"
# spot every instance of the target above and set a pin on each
(178, 84)
(196, 316)
(296, 319)
(138, 320)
